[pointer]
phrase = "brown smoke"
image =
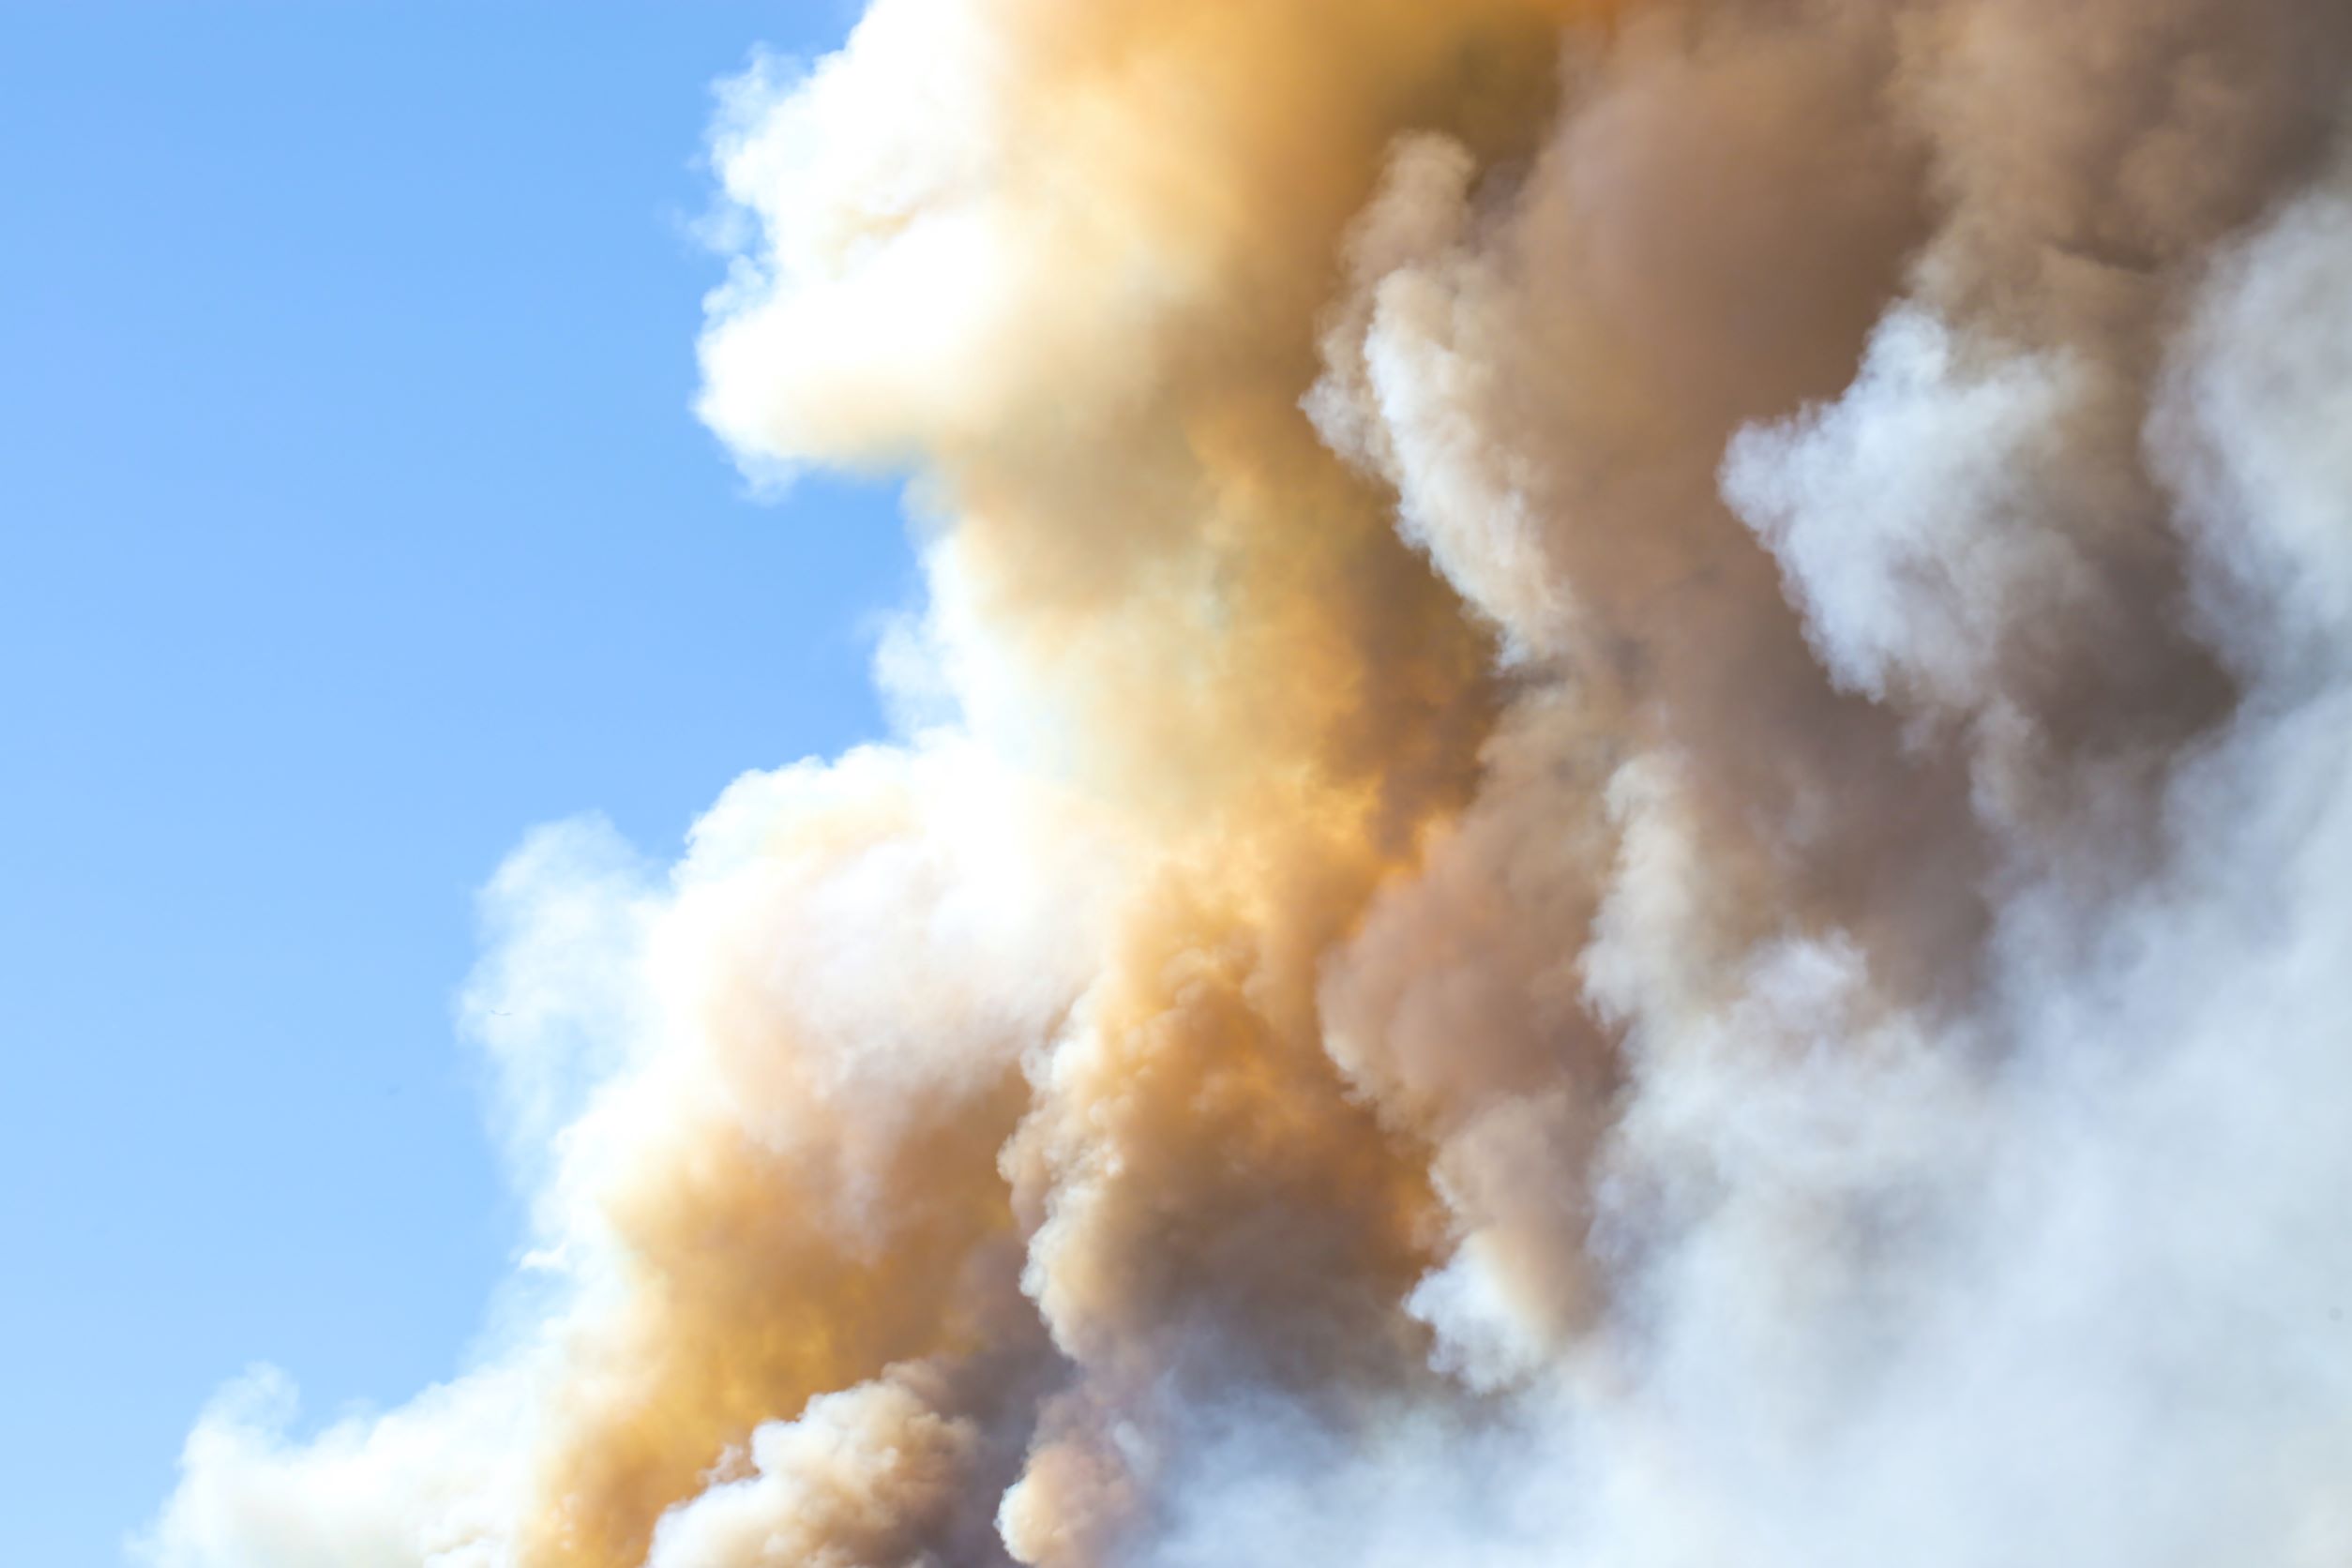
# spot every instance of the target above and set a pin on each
(1578, 658)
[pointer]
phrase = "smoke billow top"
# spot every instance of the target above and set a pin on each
(1621, 835)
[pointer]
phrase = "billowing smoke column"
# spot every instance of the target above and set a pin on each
(1624, 832)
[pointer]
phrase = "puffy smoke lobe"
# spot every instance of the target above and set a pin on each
(1622, 839)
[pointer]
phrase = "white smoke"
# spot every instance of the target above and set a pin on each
(1627, 845)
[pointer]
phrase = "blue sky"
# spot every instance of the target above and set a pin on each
(352, 522)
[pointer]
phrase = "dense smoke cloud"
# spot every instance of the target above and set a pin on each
(1622, 836)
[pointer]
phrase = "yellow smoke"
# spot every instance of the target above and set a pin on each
(1275, 688)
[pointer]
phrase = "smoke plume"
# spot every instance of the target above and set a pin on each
(1620, 836)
